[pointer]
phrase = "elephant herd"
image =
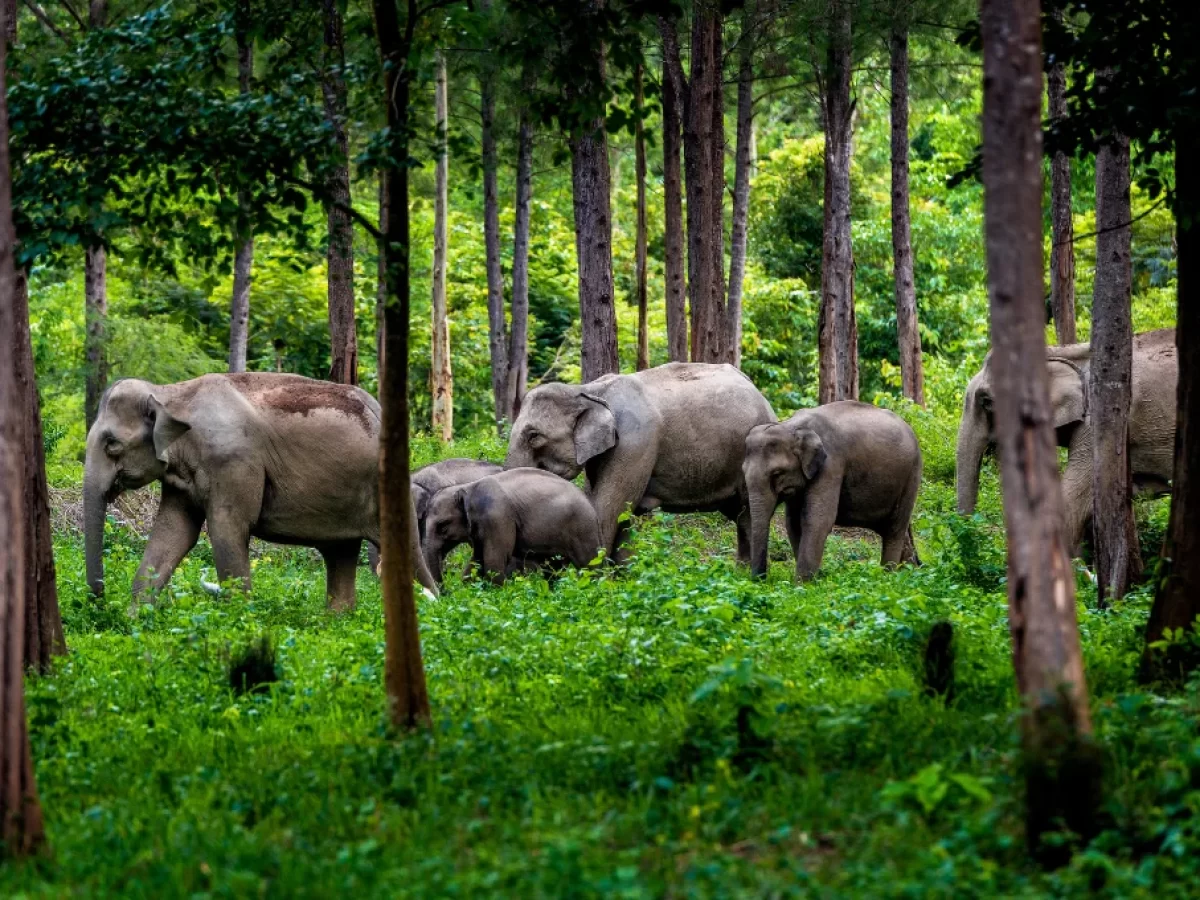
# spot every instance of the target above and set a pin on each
(295, 461)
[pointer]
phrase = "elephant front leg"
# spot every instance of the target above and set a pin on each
(174, 533)
(230, 538)
(793, 512)
(817, 518)
(1077, 497)
(341, 565)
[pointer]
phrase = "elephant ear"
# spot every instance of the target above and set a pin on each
(1068, 391)
(167, 428)
(595, 429)
(811, 452)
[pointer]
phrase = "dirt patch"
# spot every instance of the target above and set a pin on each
(299, 395)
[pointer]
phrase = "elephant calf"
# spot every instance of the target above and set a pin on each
(511, 519)
(430, 479)
(845, 463)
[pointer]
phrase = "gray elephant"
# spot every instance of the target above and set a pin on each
(428, 480)
(845, 463)
(1151, 425)
(666, 438)
(513, 519)
(278, 457)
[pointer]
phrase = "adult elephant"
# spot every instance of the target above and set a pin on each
(1151, 424)
(279, 457)
(669, 438)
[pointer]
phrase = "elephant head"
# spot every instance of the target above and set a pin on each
(559, 429)
(126, 449)
(446, 526)
(781, 460)
(976, 431)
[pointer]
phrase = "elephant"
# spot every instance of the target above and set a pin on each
(667, 438)
(513, 519)
(845, 463)
(278, 457)
(1151, 425)
(430, 479)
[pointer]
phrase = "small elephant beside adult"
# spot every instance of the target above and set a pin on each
(845, 463)
(514, 519)
(669, 438)
(1151, 425)
(429, 479)
(279, 457)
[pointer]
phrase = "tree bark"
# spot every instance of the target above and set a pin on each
(95, 304)
(21, 826)
(443, 378)
(1118, 561)
(912, 371)
(343, 337)
(497, 327)
(404, 672)
(243, 260)
(704, 165)
(381, 288)
(837, 328)
(741, 182)
(673, 92)
(518, 347)
(639, 143)
(1061, 773)
(1062, 228)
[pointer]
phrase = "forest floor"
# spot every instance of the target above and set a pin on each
(673, 728)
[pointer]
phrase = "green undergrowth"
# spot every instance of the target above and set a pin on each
(671, 728)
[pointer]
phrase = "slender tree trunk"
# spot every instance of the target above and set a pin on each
(704, 163)
(1062, 232)
(497, 327)
(343, 336)
(443, 378)
(639, 142)
(518, 348)
(1118, 561)
(1061, 773)
(741, 182)
(404, 672)
(95, 289)
(381, 289)
(243, 259)
(837, 328)
(21, 826)
(912, 371)
(673, 92)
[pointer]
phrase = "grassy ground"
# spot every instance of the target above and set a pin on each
(669, 729)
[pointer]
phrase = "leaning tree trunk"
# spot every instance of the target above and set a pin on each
(404, 671)
(443, 378)
(1061, 778)
(704, 163)
(837, 329)
(497, 328)
(1118, 561)
(518, 346)
(95, 302)
(639, 144)
(343, 337)
(21, 826)
(1062, 228)
(673, 92)
(243, 259)
(912, 371)
(741, 184)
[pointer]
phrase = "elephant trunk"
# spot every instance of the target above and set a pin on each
(762, 507)
(972, 444)
(95, 505)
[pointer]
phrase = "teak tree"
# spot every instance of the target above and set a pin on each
(243, 260)
(95, 290)
(497, 327)
(640, 238)
(441, 375)
(751, 24)
(1062, 232)
(673, 237)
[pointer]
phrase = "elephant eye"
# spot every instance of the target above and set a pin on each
(113, 447)
(985, 401)
(536, 441)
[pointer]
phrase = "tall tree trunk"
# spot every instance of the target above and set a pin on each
(95, 290)
(1062, 229)
(518, 346)
(837, 328)
(741, 181)
(21, 826)
(673, 92)
(443, 378)
(381, 270)
(497, 327)
(243, 259)
(704, 164)
(1061, 776)
(404, 672)
(1177, 600)
(639, 142)
(1118, 561)
(912, 371)
(343, 336)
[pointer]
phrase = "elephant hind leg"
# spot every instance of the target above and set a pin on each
(898, 547)
(341, 564)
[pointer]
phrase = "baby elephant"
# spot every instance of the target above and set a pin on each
(845, 463)
(513, 518)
